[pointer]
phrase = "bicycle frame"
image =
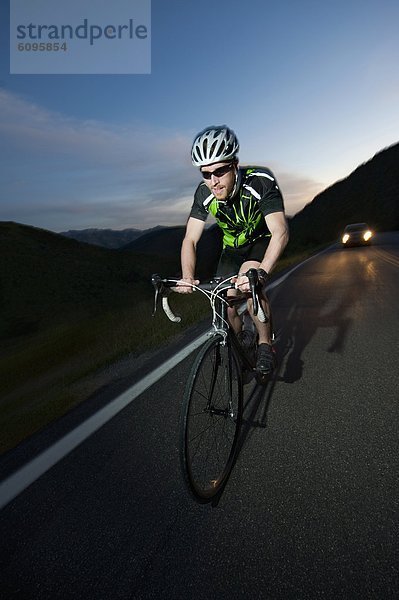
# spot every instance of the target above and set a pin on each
(212, 404)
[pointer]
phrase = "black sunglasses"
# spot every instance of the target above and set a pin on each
(219, 172)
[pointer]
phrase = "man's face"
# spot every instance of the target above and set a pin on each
(220, 178)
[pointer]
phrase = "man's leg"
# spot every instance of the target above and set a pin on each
(229, 264)
(265, 358)
(234, 318)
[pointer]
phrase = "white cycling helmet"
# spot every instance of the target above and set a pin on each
(213, 145)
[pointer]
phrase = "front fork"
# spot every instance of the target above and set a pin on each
(227, 373)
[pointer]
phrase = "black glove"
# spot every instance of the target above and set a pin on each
(263, 276)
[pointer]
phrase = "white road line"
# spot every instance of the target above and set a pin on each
(16, 483)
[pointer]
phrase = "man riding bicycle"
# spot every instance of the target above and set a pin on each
(248, 206)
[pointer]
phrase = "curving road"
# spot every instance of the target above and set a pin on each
(311, 508)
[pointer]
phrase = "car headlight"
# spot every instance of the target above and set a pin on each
(345, 238)
(367, 235)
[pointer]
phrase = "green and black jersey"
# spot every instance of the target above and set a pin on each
(242, 217)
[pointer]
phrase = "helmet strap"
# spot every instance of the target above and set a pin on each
(236, 185)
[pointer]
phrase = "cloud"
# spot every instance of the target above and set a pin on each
(29, 127)
(61, 172)
(66, 167)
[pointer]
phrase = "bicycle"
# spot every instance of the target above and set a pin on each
(212, 409)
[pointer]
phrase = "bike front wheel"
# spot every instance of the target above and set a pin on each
(211, 419)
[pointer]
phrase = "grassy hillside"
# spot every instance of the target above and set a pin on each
(45, 277)
(69, 309)
(167, 242)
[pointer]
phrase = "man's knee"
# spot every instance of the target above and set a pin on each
(232, 312)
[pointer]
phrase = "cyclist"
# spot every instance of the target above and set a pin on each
(248, 205)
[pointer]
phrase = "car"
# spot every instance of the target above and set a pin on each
(357, 234)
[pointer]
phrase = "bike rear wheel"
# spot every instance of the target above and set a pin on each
(211, 419)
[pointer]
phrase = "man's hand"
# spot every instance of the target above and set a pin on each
(242, 282)
(185, 285)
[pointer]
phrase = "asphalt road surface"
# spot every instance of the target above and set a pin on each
(311, 508)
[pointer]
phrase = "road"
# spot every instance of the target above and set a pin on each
(311, 508)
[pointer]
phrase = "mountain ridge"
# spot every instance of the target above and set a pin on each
(108, 238)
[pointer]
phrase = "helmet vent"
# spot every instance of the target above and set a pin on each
(213, 145)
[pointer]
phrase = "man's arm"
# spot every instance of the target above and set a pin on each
(194, 230)
(278, 227)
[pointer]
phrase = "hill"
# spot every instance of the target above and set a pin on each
(370, 193)
(45, 276)
(167, 242)
(69, 311)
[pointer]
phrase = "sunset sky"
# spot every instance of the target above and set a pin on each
(311, 89)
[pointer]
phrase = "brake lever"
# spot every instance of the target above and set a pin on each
(156, 281)
(252, 275)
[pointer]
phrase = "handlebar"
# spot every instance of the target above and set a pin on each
(214, 288)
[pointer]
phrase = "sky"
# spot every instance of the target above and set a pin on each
(311, 89)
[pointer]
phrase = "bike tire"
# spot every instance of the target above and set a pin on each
(211, 418)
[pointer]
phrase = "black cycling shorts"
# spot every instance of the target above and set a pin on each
(231, 259)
